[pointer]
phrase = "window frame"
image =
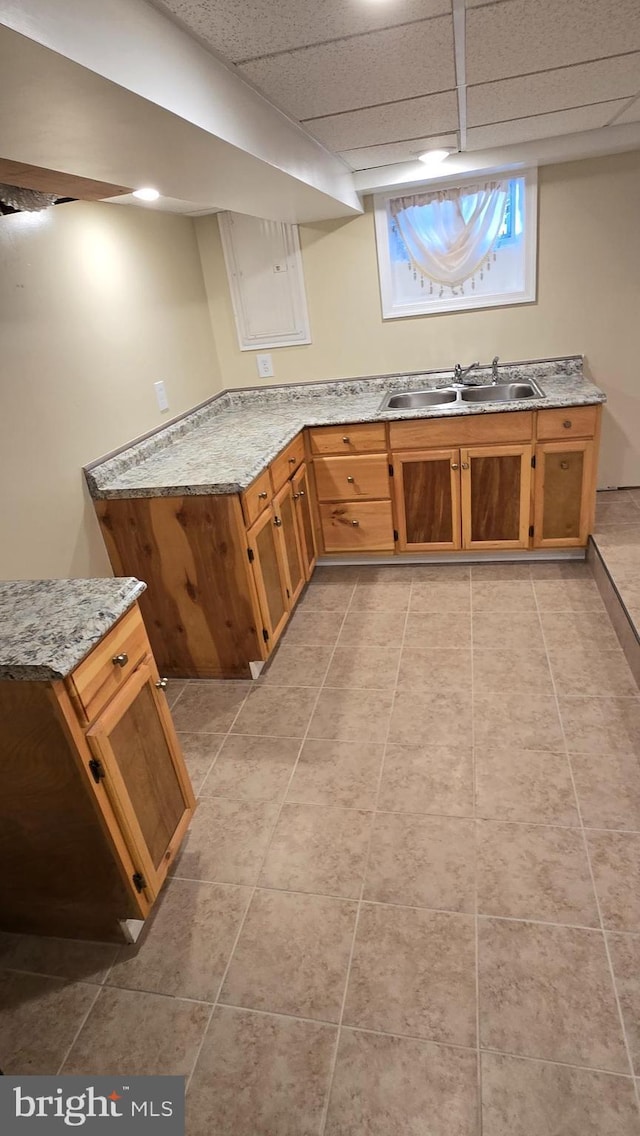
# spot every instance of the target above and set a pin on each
(428, 306)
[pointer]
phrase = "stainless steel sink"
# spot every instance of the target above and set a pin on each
(501, 392)
(414, 400)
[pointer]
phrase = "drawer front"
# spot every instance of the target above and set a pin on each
(360, 526)
(472, 430)
(287, 462)
(352, 478)
(348, 439)
(98, 677)
(568, 422)
(256, 498)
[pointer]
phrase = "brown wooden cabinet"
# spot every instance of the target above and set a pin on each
(564, 493)
(266, 557)
(306, 533)
(427, 487)
(286, 522)
(496, 496)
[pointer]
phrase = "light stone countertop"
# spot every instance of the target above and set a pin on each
(222, 446)
(48, 626)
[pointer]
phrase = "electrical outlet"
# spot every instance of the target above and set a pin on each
(161, 396)
(265, 366)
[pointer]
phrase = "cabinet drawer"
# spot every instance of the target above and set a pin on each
(256, 497)
(287, 462)
(471, 430)
(567, 422)
(348, 439)
(95, 681)
(359, 526)
(352, 478)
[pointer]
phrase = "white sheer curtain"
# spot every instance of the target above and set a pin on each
(449, 233)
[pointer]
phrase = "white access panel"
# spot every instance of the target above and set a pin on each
(264, 268)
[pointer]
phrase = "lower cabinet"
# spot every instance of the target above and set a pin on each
(304, 516)
(267, 560)
(357, 526)
(564, 493)
(427, 488)
(286, 522)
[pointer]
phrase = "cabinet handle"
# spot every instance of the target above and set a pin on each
(295, 496)
(262, 496)
(301, 493)
(350, 480)
(277, 522)
(564, 465)
(346, 439)
(465, 465)
(120, 660)
(355, 524)
(454, 465)
(292, 461)
(567, 424)
(162, 683)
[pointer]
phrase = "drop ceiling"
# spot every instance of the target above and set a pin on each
(378, 81)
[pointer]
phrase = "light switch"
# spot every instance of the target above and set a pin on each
(265, 366)
(161, 396)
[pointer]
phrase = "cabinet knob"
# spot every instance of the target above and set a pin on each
(301, 493)
(454, 465)
(465, 465)
(277, 522)
(262, 496)
(567, 423)
(350, 480)
(120, 660)
(346, 439)
(162, 683)
(295, 496)
(292, 461)
(355, 524)
(564, 465)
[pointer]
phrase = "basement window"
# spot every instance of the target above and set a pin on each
(459, 246)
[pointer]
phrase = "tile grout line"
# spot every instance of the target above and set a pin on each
(591, 874)
(365, 869)
(475, 869)
(79, 1031)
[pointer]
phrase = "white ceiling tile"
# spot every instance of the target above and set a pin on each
(359, 72)
(542, 126)
(566, 87)
(368, 157)
(258, 27)
(522, 36)
(631, 114)
(410, 118)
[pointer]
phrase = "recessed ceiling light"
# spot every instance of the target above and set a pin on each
(433, 157)
(146, 193)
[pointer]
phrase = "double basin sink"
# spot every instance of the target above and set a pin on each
(494, 392)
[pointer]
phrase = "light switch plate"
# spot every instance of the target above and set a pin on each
(265, 366)
(161, 396)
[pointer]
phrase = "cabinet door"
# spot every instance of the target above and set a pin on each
(137, 757)
(286, 523)
(266, 551)
(564, 494)
(302, 503)
(496, 496)
(427, 489)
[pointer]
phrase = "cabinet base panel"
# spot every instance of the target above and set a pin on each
(472, 557)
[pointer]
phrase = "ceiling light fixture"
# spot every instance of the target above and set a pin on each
(146, 193)
(433, 157)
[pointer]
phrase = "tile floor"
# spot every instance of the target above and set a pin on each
(409, 900)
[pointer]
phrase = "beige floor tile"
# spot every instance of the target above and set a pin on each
(313, 628)
(174, 689)
(440, 573)
(209, 707)
(438, 629)
(186, 943)
(441, 595)
(372, 629)
(547, 992)
(297, 664)
(500, 570)
(381, 595)
(326, 595)
(292, 955)
(390, 573)
(625, 958)
(440, 668)
(134, 1033)
(615, 859)
(276, 711)
(413, 972)
(585, 671)
(534, 872)
(337, 773)
(502, 595)
(568, 595)
(601, 725)
(559, 570)
(388, 1085)
(508, 631)
(524, 785)
(39, 1018)
(535, 1098)
(422, 861)
(336, 574)
(352, 715)
(589, 629)
(318, 849)
(57, 958)
(200, 751)
(427, 779)
(608, 787)
(418, 718)
(227, 841)
(495, 670)
(373, 668)
(524, 721)
(254, 769)
(260, 1075)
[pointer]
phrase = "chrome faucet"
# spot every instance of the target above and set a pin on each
(460, 373)
(494, 369)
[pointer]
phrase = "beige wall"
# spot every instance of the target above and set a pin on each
(588, 302)
(96, 303)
